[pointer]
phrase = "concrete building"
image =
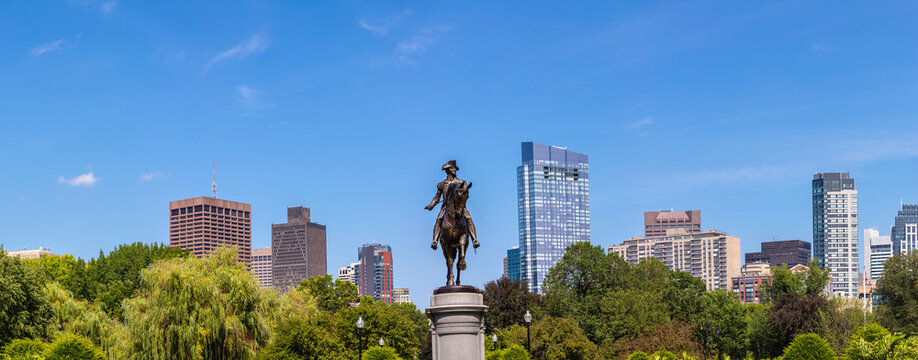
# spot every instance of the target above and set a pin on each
(512, 264)
(748, 285)
(879, 248)
(553, 193)
(657, 222)
(401, 296)
(297, 249)
(710, 255)
(775, 253)
(374, 277)
(29, 254)
(905, 231)
(202, 224)
(349, 273)
(261, 265)
(835, 234)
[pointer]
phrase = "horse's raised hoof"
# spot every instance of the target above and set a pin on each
(433, 245)
(461, 265)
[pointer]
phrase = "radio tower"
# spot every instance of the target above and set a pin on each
(214, 187)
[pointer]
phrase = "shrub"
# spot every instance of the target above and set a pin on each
(23, 349)
(809, 347)
(663, 355)
(380, 353)
(73, 347)
(514, 352)
(638, 355)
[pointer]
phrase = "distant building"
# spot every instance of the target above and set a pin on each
(657, 222)
(512, 263)
(297, 249)
(202, 224)
(29, 254)
(261, 265)
(866, 290)
(349, 273)
(747, 286)
(553, 193)
(710, 255)
(879, 248)
(835, 234)
(400, 295)
(905, 231)
(375, 275)
(775, 253)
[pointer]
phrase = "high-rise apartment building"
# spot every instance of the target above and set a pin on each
(297, 249)
(879, 248)
(512, 263)
(261, 265)
(835, 234)
(349, 273)
(375, 275)
(778, 252)
(749, 284)
(710, 255)
(401, 296)
(202, 224)
(905, 231)
(29, 254)
(657, 222)
(553, 192)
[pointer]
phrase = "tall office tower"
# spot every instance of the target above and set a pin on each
(202, 224)
(879, 248)
(349, 273)
(553, 192)
(905, 231)
(657, 222)
(261, 265)
(835, 235)
(375, 275)
(710, 255)
(297, 249)
(778, 252)
(512, 265)
(401, 295)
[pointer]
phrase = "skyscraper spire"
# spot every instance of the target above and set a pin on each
(214, 187)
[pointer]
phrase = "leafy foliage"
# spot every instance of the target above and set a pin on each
(675, 336)
(553, 338)
(73, 347)
(722, 324)
(507, 301)
(898, 289)
(331, 295)
(804, 283)
(380, 353)
(512, 352)
(25, 349)
(809, 347)
(24, 309)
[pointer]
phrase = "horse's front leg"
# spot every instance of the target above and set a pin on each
(463, 245)
(449, 263)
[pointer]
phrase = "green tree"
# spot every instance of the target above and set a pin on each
(722, 323)
(675, 336)
(381, 353)
(792, 315)
(190, 308)
(898, 289)
(763, 339)
(24, 349)
(507, 301)
(809, 347)
(512, 352)
(804, 283)
(553, 339)
(391, 323)
(24, 310)
(841, 320)
(66, 270)
(332, 295)
(73, 347)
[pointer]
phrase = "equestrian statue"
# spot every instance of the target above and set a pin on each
(454, 227)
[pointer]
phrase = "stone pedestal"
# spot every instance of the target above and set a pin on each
(457, 323)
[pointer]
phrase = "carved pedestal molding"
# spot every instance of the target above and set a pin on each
(457, 323)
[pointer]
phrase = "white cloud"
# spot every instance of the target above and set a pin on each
(150, 176)
(56, 46)
(87, 179)
(640, 123)
(382, 27)
(251, 100)
(378, 30)
(254, 45)
(820, 47)
(406, 51)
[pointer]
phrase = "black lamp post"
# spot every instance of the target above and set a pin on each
(360, 336)
(528, 319)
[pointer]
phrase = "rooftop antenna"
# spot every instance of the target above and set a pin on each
(214, 187)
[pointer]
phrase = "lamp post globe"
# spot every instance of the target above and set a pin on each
(528, 319)
(382, 342)
(360, 335)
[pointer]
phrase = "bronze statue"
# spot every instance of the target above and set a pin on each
(454, 225)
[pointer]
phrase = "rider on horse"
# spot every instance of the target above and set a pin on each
(442, 189)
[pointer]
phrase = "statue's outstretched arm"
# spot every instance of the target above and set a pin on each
(435, 201)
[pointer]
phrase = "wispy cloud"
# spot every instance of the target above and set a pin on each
(382, 27)
(821, 47)
(104, 6)
(87, 179)
(150, 176)
(255, 44)
(56, 46)
(251, 100)
(378, 30)
(639, 124)
(406, 51)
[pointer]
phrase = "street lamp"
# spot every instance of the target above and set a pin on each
(528, 319)
(360, 335)
(382, 342)
(494, 340)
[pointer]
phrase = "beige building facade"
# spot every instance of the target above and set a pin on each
(202, 224)
(261, 266)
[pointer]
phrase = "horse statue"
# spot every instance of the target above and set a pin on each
(454, 227)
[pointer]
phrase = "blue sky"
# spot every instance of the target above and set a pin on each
(110, 109)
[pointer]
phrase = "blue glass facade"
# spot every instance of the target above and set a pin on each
(553, 192)
(905, 231)
(513, 263)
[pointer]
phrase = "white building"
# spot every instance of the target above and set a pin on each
(879, 248)
(835, 234)
(349, 273)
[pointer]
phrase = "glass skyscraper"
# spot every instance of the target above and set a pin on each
(835, 235)
(553, 192)
(905, 230)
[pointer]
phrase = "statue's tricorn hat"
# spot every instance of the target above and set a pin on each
(450, 164)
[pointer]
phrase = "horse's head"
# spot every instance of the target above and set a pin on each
(457, 195)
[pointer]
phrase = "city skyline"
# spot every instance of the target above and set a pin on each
(304, 105)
